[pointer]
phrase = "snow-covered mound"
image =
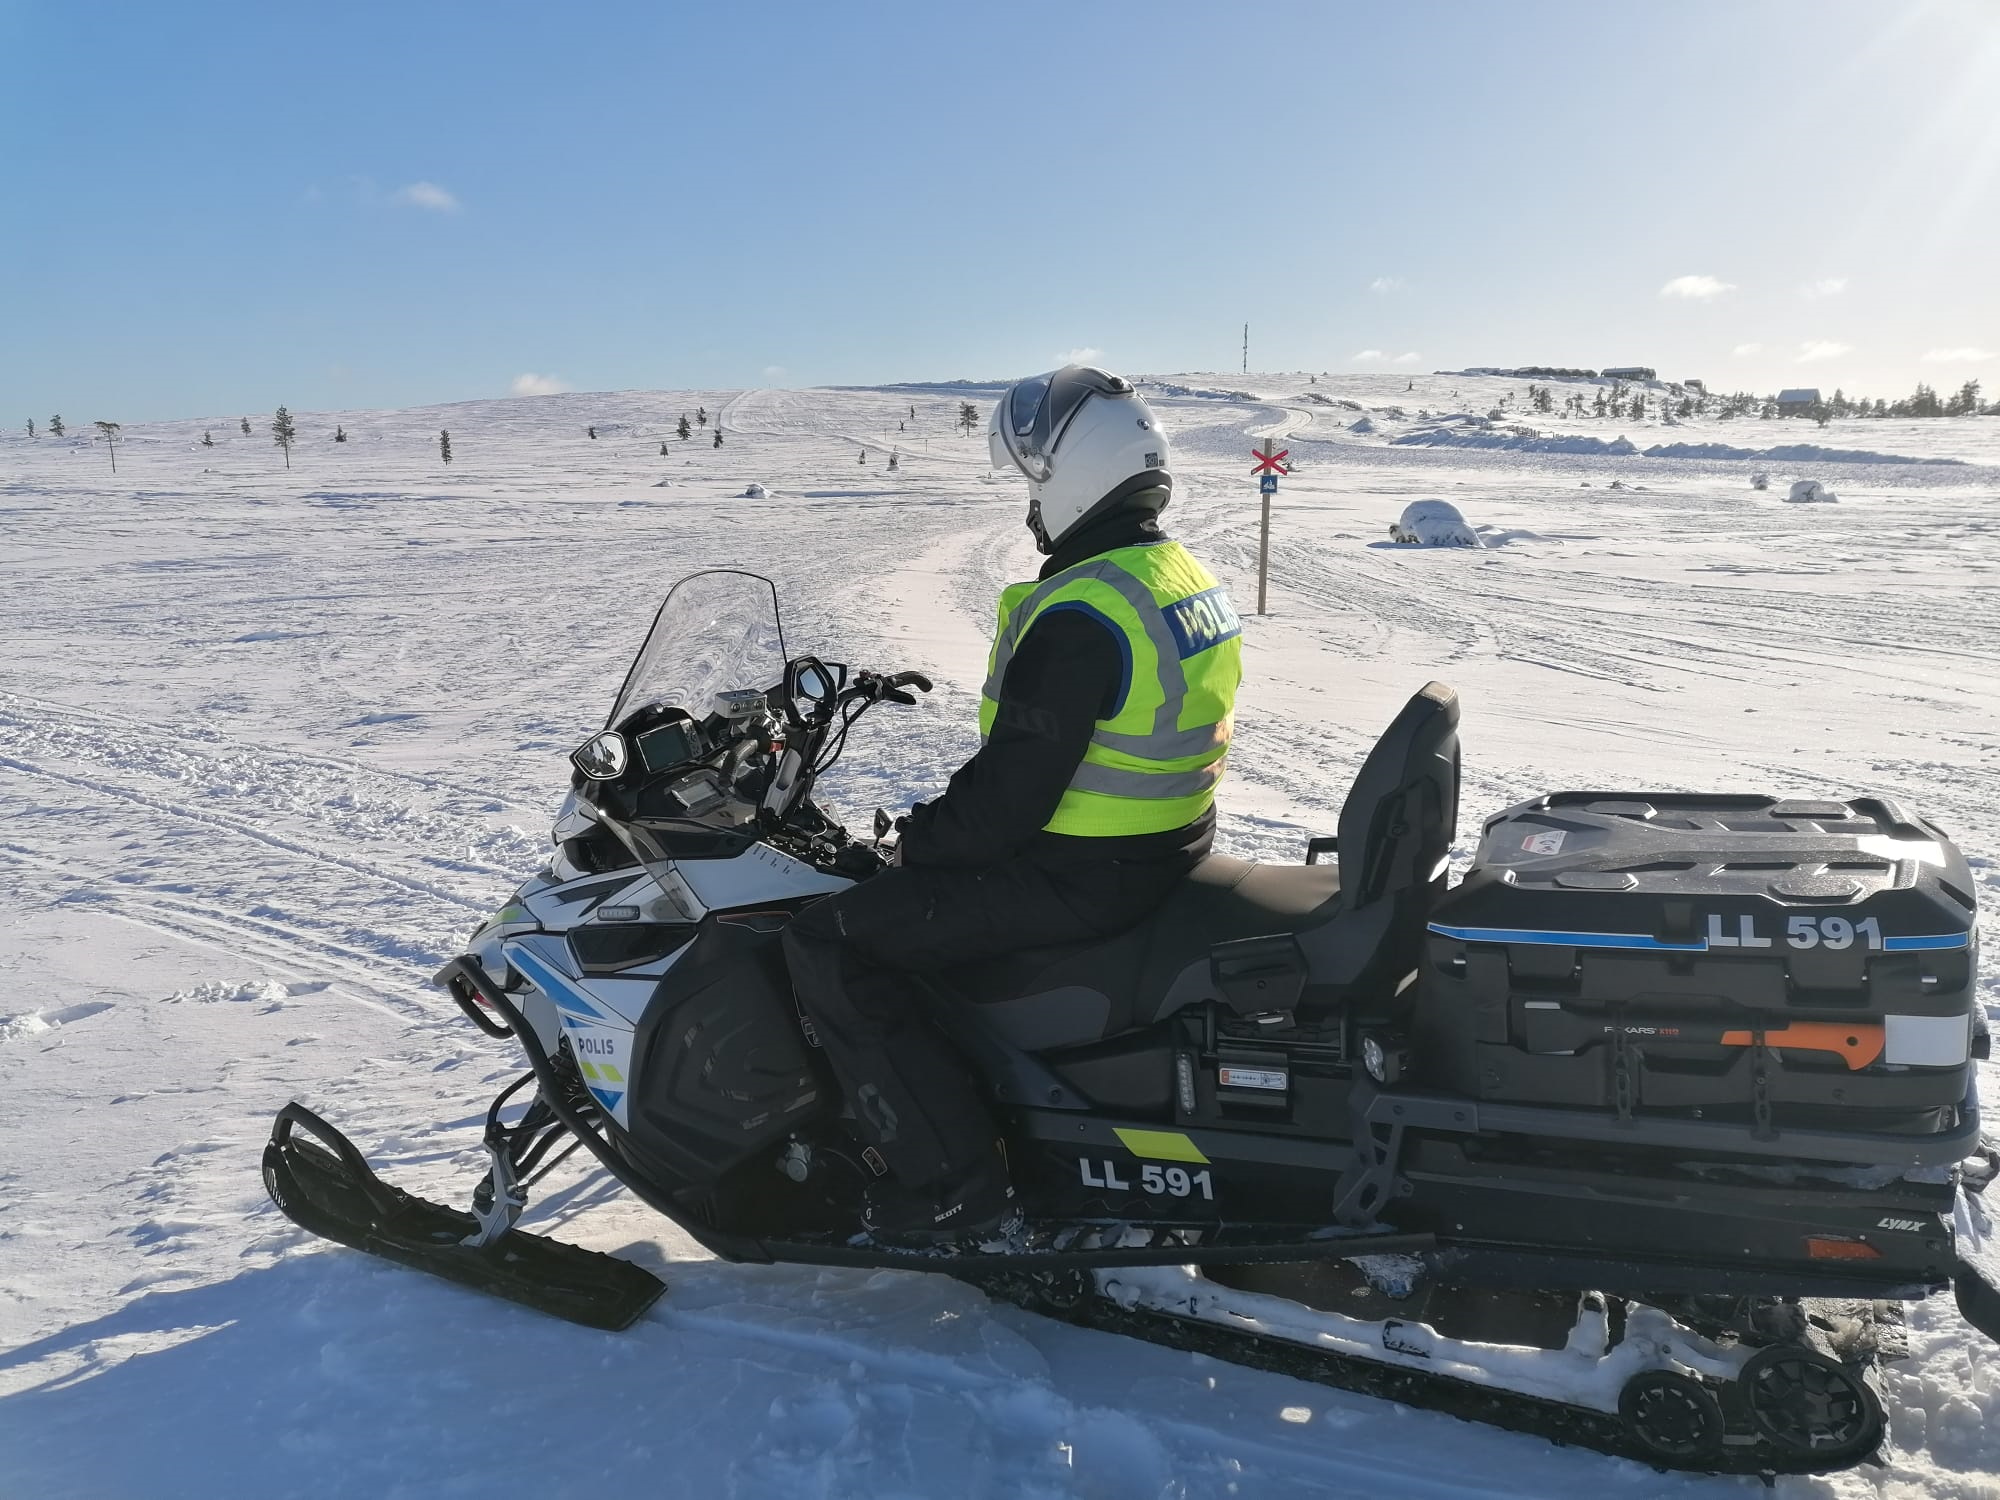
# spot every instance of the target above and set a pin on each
(1364, 426)
(1515, 443)
(1790, 453)
(1202, 393)
(755, 492)
(1811, 492)
(1433, 523)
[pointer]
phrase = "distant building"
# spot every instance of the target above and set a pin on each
(1700, 388)
(1799, 402)
(1632, 372)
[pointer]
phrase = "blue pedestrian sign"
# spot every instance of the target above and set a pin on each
(1267, 484)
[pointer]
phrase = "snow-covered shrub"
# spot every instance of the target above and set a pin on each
(1811, 492)
(1433, 523)
(1760, 481)
(755, 492)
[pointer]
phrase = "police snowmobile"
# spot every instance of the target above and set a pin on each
(1637, 1137)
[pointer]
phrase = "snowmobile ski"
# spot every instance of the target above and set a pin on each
(321, 1183)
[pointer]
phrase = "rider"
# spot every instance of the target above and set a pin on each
(1104, 724)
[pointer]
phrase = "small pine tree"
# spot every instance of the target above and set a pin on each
(684, 430)
(444, 445)
(592, 431)
(207, 440)
(663, 447)
(701, 416)
(968, 415)
(892, 462)
(718, 437)
(1602, 404)
(284, 433)
(56, 426)
(863, 457)
(1686, 408)
(31, 427)
(913, 413)
(339, 433)
(110, 431)
(246, 427)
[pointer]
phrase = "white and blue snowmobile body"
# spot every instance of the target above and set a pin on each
(1636, 1137)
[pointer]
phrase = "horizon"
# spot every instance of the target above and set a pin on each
(520, 204)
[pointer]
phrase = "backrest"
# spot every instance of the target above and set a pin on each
(1397, 824)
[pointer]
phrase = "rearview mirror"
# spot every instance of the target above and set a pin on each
(602, 757)
(810, 685)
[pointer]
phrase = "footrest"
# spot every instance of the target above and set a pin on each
(324, 1185)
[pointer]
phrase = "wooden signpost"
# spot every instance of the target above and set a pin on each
(1270, 464)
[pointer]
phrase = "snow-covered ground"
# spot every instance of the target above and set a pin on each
(271, 743)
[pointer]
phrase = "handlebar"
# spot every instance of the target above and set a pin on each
(875, 688)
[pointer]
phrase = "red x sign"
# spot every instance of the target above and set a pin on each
(1267, 462)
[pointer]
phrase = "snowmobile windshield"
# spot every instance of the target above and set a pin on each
(716, 631)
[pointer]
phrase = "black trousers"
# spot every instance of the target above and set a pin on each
(853, 959)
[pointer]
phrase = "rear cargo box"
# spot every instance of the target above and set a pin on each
(1727, 958)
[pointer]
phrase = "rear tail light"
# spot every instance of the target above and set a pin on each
(1839, 1247)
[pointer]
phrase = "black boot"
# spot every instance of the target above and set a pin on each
(975, 1205)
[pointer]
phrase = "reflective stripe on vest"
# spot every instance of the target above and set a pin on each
(1153, 764)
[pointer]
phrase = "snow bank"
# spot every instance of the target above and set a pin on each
(1622, 447)
(1168, 388)
(755, 492)
(1811, 492)
(1364, 426)
(1514, 443)
(1790, 453)
(1433, 523)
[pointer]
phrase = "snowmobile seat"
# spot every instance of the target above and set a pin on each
(1336, 929)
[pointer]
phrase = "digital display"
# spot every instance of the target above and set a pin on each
(669, 745)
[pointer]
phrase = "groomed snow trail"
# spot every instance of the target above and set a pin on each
(271, 744)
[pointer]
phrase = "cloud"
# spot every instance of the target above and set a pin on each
(1963, 356)
(1813, 349)
(1408, 359)
(426, 195)
(1826, 286)
(1381, 286)
(1742, 351)
(1697, 288)
(532, 384)
(1367, 356)
(1084, 356)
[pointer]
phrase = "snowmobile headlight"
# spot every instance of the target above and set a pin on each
(602, 757)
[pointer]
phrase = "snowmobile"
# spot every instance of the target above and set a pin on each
(1637, 1136)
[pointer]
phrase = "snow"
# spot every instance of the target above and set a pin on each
(272, 743)
(1432, 523)
(1810, 492)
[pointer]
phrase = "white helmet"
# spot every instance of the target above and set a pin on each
(1085, 439)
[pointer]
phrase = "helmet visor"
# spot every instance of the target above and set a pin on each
(1035, 413)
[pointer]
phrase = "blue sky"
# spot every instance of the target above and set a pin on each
(214, 207)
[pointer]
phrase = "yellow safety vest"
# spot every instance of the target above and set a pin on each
(1154, 763)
